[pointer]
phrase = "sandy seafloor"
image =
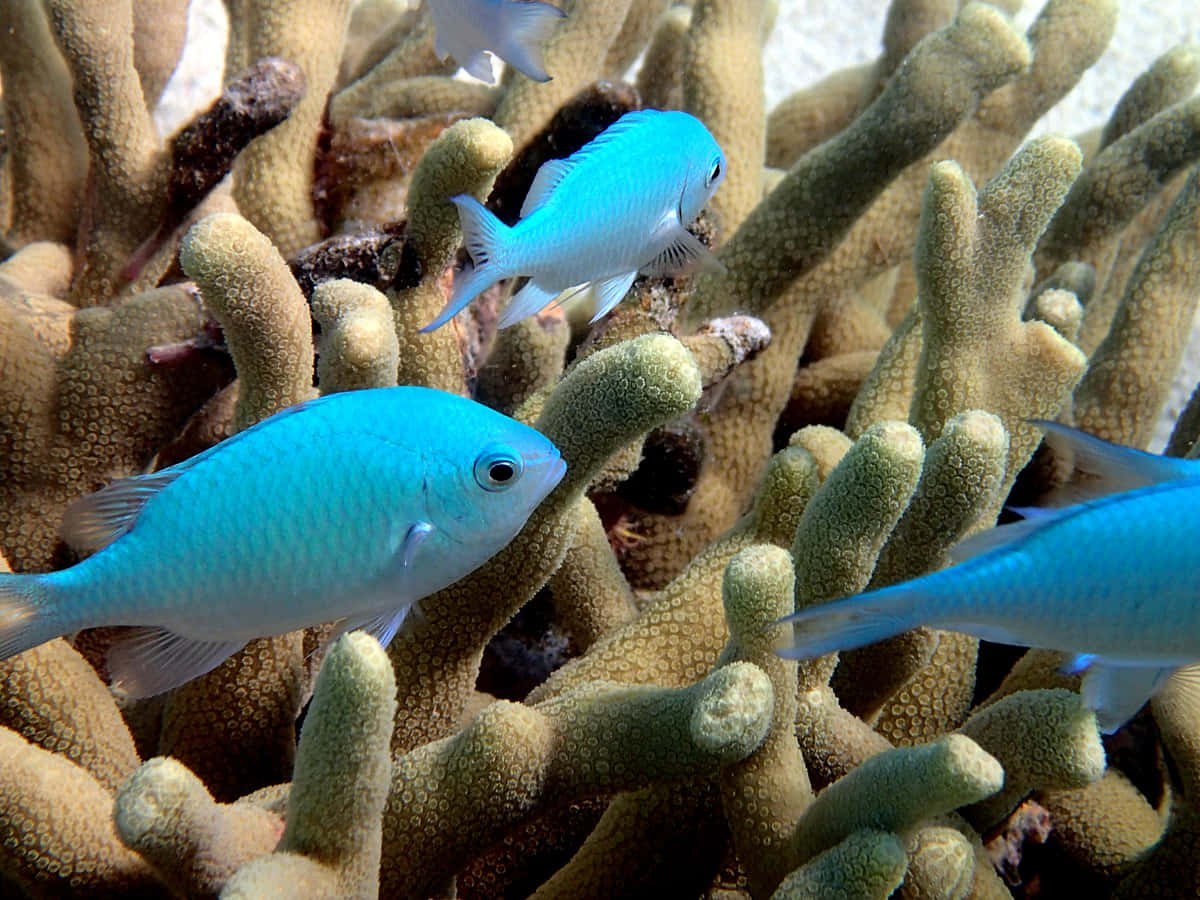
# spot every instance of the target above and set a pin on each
(811, 39)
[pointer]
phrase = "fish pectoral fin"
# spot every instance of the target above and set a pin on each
(611, 291)
(1117, 692)
(525, 303)
(95, 521)
(683, 255)
(1103, 468)
(149, 660)
(414, 537)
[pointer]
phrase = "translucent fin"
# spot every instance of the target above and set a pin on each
(382, 627)
(95, 521)
(684, 254)
(610, 292)
(479, 65)
(1116, 693)
(1080, 662)
(525, 27)
(1102, 468)
(151, 660)
(849, 623)
(548, 177)
(1000, 536)
(25, 621)
(525, 303)
(484, 236)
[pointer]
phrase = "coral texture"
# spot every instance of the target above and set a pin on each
(905, 280)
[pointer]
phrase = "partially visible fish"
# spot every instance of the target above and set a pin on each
(469, 30)
(1113, 580)
(618, 206)
(350, 507)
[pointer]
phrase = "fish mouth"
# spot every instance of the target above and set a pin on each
(547, 468)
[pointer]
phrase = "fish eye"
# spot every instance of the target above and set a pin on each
(714, 173)
(498, 468)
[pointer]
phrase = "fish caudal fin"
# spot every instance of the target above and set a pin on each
(848, 623)
(485, 237)
(25, 616)
(526, 27)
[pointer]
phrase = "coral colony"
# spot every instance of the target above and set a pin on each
(600, 709)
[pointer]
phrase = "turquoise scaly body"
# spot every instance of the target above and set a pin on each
(1113, 580)
(618, 206)
(350, 507)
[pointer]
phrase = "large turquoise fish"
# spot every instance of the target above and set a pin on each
(1113, 580)
(514, 31)
(350, 507)
(618, 206)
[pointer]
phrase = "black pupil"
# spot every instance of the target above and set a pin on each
(500, 472)
(715, 172)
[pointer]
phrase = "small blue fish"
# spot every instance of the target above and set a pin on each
(618, 206)
(349, 507)
(1113, 579)
(514, 31)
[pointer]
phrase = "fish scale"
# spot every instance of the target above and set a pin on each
(618, 206)
(1112, 578)
(350, 507)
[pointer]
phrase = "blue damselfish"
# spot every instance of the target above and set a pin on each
(1113, 579)
(348, 508)
(618, 206)
(514, 31)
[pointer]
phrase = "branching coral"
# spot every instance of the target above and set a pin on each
(835, 408)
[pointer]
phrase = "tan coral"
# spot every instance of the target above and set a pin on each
(266, 320)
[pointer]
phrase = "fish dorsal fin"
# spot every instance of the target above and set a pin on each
(548, 177)
(1103, 468)
(1000, 536)
(551, 174)
(149, 660)
(95, 521)
(1116, 693)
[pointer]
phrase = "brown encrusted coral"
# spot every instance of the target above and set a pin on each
(56, 832)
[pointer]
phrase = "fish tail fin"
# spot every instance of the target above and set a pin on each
(26, 617)
(527, 26)
(485, 237)
(849, 623)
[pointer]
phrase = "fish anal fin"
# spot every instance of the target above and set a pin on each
(611, 291)
(683, 255)
(1103, 468)
(548, 177)
(479, 65)
(524, 303)
(95, 521)
(149, 660)
(1117, 692)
